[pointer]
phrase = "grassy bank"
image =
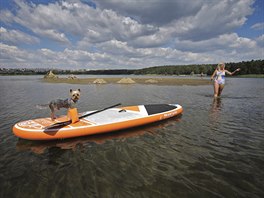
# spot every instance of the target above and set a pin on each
(157, 81)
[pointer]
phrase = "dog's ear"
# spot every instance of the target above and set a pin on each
(79, 90)
(70, 90)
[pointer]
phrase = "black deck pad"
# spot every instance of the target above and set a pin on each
(158, 108)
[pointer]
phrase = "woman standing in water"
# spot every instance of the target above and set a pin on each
(219, 78)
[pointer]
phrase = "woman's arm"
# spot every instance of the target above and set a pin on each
(213, 75)
(232, 73)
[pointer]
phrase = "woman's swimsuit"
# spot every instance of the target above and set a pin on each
(220, 77)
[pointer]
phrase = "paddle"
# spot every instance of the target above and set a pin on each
(65, 123)
(88, 114)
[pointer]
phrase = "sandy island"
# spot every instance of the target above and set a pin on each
(136, 80)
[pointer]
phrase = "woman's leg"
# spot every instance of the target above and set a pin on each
(216, 89)
(221, 87)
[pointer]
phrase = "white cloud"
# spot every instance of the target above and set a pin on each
(55, 21)
(127, 34)
(53, 34)
(196, 20)
(6, 16)
(157, 12)
(153, 40)
(227, 42)
(258, 26)
(213, 19)
(16, 37)
(12, 54)
(260, 42)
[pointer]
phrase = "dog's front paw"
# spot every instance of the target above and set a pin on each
(53, 118)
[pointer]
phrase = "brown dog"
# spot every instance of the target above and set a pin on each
(66, 103)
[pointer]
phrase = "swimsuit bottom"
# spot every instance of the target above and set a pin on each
(220, 81)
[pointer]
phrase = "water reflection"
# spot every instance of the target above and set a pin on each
(215, 114)
(39, 147)
(74, 143)
(216, 105)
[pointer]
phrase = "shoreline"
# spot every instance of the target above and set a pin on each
(146, 75)
(120, 80)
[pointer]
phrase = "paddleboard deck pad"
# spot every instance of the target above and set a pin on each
(112, 119)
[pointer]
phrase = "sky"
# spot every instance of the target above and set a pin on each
(129, 34)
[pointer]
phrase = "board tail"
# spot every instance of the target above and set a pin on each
(42, 106)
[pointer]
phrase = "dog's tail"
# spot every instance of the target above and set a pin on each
(42, 106)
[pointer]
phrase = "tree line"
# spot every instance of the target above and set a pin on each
(247, 67)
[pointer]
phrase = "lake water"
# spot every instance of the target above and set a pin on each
(215, 149)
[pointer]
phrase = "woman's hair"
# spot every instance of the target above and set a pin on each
(220, 64)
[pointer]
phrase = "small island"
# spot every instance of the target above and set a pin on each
(131, 80)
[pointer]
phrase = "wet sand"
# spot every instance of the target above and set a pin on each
(137, 80)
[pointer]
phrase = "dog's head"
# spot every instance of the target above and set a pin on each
(75, 95)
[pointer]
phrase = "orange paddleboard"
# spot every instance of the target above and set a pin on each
(112, 119)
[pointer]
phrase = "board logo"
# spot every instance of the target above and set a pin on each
(29, 124)
(168, 115)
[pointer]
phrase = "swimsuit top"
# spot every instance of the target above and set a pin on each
(220, 75)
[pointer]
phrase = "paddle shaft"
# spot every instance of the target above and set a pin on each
(98, 111)
(65, 123)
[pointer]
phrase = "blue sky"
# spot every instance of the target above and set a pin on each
(256, 17)
(113, 34)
